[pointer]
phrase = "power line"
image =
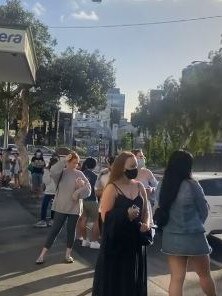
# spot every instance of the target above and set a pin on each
(145, 24)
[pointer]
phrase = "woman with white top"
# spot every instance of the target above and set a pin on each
(145, 176)
(49, 194)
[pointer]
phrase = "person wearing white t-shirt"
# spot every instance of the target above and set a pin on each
(145, 176)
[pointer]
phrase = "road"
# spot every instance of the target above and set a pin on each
(20, 244)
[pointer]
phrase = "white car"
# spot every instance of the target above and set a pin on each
(212, 186)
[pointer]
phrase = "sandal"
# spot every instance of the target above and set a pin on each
(69, 259)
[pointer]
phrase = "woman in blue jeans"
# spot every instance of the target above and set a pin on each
(37, 172)
(49, 194)
(185, 209)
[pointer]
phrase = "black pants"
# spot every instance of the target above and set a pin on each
(59, 221)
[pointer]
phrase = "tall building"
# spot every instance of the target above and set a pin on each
(94, 127)
(116, 100)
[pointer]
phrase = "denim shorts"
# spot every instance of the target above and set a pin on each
(189, 244)
(37, 180)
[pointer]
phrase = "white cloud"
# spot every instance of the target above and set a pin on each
(38, 9)
(82, 15)
(62, 18)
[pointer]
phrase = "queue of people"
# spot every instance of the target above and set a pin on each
(180, 211)
(122, 204)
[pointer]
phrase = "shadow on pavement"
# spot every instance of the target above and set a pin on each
(49, 282)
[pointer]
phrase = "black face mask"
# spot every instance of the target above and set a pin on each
(131, 174)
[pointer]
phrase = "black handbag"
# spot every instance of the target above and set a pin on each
(161, 217)
(147, 237)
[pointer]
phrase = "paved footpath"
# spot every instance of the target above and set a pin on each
(20, 244)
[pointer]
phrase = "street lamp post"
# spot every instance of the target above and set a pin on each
(132, 140)
(6, 127)
(57, 129)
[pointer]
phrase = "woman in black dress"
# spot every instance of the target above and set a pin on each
(121, 265)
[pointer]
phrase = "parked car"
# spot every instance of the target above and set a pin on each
(13, 147)
(45, 150)
(212, 186)
(63, 151)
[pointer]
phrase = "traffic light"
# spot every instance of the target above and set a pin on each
(100, 138)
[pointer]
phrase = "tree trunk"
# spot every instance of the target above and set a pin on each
(20, 138)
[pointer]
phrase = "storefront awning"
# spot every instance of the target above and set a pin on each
(17, 55)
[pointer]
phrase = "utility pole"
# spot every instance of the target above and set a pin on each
(72, 128)
(6, 127)
(132, 140)
(57, 129)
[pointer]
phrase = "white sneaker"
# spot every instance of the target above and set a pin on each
(85, 243)
(7, 188)
(69, 259)
(41, 224)
(50, 223)
(95, 245)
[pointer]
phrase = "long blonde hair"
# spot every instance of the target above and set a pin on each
(117, 170)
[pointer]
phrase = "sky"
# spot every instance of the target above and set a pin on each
(144, 56)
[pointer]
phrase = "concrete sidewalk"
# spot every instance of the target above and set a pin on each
(20, 244)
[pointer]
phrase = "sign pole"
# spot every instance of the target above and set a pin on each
(6, 128)
(57, 129)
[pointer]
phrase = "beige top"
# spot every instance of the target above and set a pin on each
(68, 199)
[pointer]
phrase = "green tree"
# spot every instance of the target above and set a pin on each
(81, 77)
(140, 118)
(85, 79)
(126, 142)
(22, 96)
(189, 112)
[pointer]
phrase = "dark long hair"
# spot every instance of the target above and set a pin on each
(90, 163)
(178, 169)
